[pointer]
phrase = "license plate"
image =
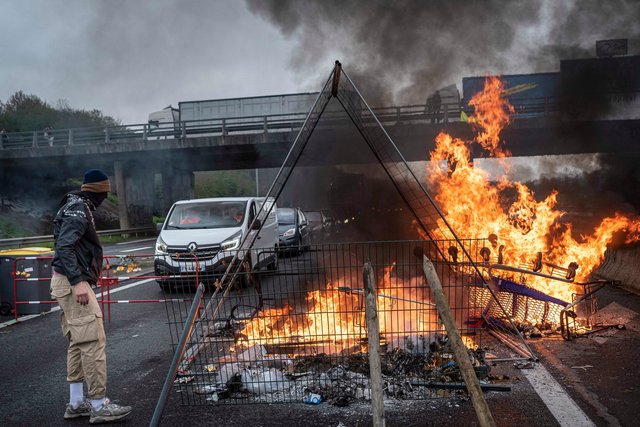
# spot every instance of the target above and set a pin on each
(190, 268)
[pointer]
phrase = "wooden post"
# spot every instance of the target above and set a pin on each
(459, 350)
(373, 338)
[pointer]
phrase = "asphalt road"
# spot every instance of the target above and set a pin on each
(34, 390)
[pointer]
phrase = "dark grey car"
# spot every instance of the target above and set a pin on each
(293, 230)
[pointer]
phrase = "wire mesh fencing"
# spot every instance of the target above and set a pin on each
(299, 332)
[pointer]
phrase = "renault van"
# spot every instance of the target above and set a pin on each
(200, 237)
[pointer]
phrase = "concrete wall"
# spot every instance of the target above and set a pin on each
(622, 264)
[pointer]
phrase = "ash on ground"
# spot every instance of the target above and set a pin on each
(256, 376)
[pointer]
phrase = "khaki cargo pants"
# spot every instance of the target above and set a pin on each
(83, 327)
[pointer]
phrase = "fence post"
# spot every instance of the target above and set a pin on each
(459, 349)
(70, 141)
(35, 139)
(106, 135)
(224, 127)
(373, 338)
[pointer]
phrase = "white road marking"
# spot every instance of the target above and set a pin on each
(56, 308)
(138, 249)
(560, 404)
(137, 241)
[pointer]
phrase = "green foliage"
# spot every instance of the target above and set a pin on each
(24, 113)
(9, 230)
(225, 184)
(158, 219)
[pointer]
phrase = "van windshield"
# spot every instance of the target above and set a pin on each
(207, 215)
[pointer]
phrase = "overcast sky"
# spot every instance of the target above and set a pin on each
(130, 57)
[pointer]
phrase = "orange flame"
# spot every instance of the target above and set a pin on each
(333, 320)
(475, 207)
(491, 115)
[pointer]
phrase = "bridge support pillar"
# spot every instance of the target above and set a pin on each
(134, 184)
(122, 196)
(177, 184)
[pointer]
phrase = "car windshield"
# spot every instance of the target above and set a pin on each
(207, 215)
(286, 217)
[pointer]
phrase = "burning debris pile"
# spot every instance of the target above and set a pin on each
(530, 245)
(263, 377)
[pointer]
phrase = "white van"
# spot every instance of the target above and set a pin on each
(203, 235)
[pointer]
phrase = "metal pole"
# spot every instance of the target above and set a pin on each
(182, 344)
(373, 338)
(257, 184)
(459, 350)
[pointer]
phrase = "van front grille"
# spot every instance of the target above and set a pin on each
(202, 254)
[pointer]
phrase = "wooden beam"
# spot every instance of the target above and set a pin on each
(459, 349)
(373, 334)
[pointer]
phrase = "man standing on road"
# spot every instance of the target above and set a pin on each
(77, 265)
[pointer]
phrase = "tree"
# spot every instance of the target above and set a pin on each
(24, 113)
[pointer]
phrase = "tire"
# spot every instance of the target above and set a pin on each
(274, 265)
(5, 309)
(166, 287)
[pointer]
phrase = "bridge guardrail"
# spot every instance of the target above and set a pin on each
(217, 127)
(21, 241)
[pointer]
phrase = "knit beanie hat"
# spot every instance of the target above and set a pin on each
(95, 181)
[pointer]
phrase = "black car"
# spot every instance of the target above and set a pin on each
(320, 225)
(293, 230)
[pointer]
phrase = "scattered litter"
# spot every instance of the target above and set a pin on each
(210, 368)
(184, 380)
(523, 365)
(313, 399)
(263, 381)
(213, 398)
(583, 367)
(206, 389)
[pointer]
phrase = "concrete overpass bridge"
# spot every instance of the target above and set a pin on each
(133, 154)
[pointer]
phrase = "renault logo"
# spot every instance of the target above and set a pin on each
(192, 247)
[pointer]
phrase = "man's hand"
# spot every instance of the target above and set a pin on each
(81, 291)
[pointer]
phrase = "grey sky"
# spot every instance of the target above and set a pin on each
(130, 57)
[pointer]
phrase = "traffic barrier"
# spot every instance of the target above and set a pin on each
(113, 266)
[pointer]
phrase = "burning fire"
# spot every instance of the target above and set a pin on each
(507, 212)
(333, 320)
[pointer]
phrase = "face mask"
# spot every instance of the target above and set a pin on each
(99, 198)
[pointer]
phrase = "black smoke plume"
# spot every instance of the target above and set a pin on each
(401, 51)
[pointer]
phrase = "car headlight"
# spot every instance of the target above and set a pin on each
(290, 232)
(161, 247)
(232, 242)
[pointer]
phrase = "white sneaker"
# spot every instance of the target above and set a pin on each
(108, 412)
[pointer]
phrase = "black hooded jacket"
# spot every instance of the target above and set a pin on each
(78, 253)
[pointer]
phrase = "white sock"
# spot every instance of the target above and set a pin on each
(97, 403)
(76, 395)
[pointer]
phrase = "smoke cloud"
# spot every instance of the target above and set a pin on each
(401, 51)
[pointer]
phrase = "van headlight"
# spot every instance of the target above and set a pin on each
(232, 242)
(161, 247)
(290, 232)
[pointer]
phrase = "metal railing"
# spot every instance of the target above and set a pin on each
(448, 112)
(22, 241)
